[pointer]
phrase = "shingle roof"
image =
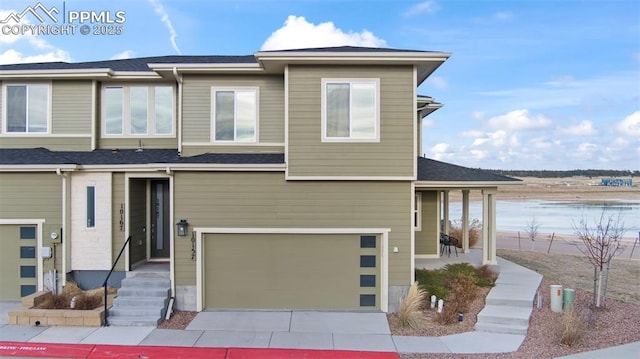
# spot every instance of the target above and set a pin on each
(436, 171)
(135, 64)
(347, 49)
(42, 156)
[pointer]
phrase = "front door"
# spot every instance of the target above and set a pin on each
(160, 219)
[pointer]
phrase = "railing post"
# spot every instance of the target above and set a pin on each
(106, 280)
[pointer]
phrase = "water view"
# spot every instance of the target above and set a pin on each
(555, 216)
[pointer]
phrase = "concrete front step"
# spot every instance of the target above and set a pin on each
(144, 292)
(502, 328)
(137, 321)
(140, 301)
(145, 282)
(494, 314)
(513, 298)
(117, 311)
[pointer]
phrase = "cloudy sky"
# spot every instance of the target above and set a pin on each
(530, 84)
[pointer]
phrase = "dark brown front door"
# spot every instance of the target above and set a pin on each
(160, 219)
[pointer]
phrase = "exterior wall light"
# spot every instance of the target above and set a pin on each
(183, 225)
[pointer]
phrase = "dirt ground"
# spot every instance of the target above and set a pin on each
(571, 188)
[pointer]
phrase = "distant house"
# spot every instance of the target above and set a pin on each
(280, 180)
(617, 182)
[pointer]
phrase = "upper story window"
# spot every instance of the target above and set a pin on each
(350, 110)
(26, 108)
(234, 114)
(138, 110)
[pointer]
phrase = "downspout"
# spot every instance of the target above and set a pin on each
(94, 115)
(179, 80)
(63, 228)
(172, 244)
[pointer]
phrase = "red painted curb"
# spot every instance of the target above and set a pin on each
(45, 350)
(92, 351)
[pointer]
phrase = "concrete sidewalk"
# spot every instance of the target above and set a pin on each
(349, 331)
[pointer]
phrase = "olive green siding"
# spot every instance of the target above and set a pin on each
(289, 271)
(34, 196)
(50, 143)
(196, 118)
(265, 199)
(118, 234)
(393, 155)
(137, 220)
(71, 107)
(427, 238)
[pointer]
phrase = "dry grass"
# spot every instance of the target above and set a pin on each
(475, 227)
(85, 300)
(409, 314)
(575, 272)
(572, 328)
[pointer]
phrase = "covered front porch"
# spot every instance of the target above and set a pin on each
(436, 180)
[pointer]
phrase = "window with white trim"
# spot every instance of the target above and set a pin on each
(131, 110)
(417, 212)
(26, 108)
(91, 206)
(234, 114)
(350, 110)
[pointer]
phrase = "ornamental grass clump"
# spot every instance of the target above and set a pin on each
(409, 314)
(572, 328)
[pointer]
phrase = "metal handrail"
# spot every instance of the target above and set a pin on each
(106, 312)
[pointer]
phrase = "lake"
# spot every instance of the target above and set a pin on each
(554, 216)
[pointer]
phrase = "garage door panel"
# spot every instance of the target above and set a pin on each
(284, 271)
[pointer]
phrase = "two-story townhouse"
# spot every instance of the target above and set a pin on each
(284, 179)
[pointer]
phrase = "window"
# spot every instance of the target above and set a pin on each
(138, 110)
(417, 212)
(91, 206)
(234, 115)
(350, 110)
(27, 108)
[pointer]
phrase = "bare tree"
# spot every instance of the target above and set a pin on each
(532, 230)
(602, 241)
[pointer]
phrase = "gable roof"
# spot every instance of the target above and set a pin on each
(432, 172)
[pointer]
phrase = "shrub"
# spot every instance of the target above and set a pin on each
(486, 276)
(449, 313)
(475, 228)
(456, 269)
(409, 311)
(433, 281)
(56, 301)
(463, 291)
(87, 302)
(572, 328)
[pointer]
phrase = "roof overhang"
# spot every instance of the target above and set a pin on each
(206, 68)
(425, 62)
(464, 184)
(70, 74)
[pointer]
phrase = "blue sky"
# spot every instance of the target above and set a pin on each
(530, 84)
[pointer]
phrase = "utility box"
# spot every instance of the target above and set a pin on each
(569, 296)
(556, 298)
(45, 252)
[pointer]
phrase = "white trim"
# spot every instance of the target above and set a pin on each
(172, 238)
(416, 126)
(37, 168)
(4, 130)
(384, 255)
(44, 135)
(286, 117)
(417, 209)
(179, 130)
(349, 178)
(412, 255)
(247, 144)
(63, 235)
(323, 114)
(39, 223)
(256, 125)
(94, 114)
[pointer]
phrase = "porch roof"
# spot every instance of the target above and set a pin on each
(43, 156)
(432, 173)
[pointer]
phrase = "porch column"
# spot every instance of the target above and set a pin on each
(465, 221)
(445, 211)
(489, 227)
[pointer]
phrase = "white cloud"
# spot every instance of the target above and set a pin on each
(477, 115)
(42, 51)
(471, 133)
(426, 7)
(584, 128)
(630, 126)
(438, 82)
(298, 33)
(519, 120)
(586, 149)
(441, 152)
(126, 54)
(503, 15)
(164, 17)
